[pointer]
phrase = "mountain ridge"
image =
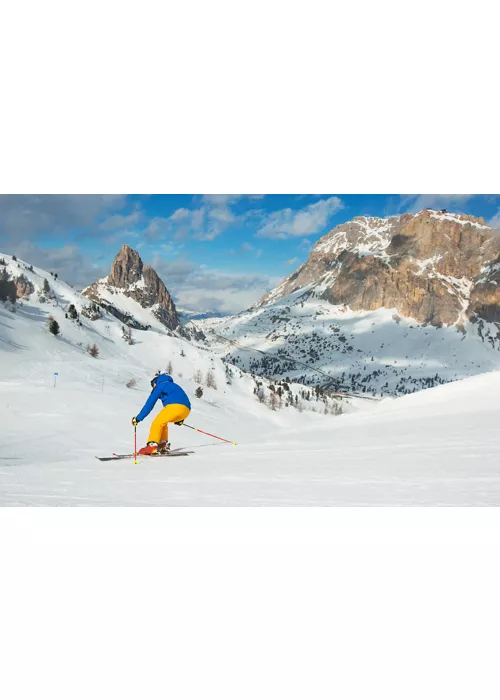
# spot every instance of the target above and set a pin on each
(130, 278)
(435, 267)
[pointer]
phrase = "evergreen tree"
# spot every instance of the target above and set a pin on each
(46, 286)
(54, 327)
(199, 392)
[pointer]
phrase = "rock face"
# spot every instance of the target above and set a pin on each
(435, 267)
(129, 276)
(23, 287)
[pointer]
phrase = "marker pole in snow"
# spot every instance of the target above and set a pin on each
(56, 374)
(135, 444)
(210, 434)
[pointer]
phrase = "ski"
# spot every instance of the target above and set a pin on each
(129, 456)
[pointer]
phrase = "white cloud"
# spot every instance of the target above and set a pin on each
(228, 198)
(292, 261)
(414, 203)
(121, 221)
(69, 262)
(309, 220)
(494, 222)
(198, 288)
(31, 216)
(211, 218)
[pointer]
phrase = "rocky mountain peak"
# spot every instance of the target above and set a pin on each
(131, 278)
(126, 268)
(434, 266)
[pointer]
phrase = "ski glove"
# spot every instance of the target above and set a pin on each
(135, 421)
(179, 422)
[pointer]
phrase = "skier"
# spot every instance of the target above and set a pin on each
(176, 408)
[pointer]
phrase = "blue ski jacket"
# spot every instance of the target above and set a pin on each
(168, 391)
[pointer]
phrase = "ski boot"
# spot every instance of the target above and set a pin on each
(150, 449)
(164, 448)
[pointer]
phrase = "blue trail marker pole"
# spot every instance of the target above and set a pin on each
(56, 374)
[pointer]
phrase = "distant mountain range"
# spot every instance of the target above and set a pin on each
(380, 306)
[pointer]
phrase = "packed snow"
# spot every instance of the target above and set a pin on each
(435, 447)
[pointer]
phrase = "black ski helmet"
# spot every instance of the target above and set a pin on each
(155, 378)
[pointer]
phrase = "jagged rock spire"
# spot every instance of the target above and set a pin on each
(138, 281)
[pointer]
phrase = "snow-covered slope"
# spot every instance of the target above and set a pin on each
(438, 447)
(373, 352)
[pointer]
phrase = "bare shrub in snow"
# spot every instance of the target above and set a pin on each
(210, 380)
(273, 401)
(337, 409)
(131, 383)
(93, 350)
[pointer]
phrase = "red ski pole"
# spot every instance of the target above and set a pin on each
(209, 434)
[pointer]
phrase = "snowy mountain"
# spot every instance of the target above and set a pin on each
(434, 267)
(381, 306)
(135, 294)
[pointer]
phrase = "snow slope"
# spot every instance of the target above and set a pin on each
(377, 352)
(436, 447)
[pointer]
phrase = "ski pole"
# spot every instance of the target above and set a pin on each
(135, 444)
(209, 434)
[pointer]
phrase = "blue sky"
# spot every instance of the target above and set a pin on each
(214, 252)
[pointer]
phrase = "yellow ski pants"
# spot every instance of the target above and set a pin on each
(172, 413)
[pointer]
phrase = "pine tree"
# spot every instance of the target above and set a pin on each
(199, 392)
(93, 350)
(170, 368)
(198, 376)
(54, 327)
(46, 286)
